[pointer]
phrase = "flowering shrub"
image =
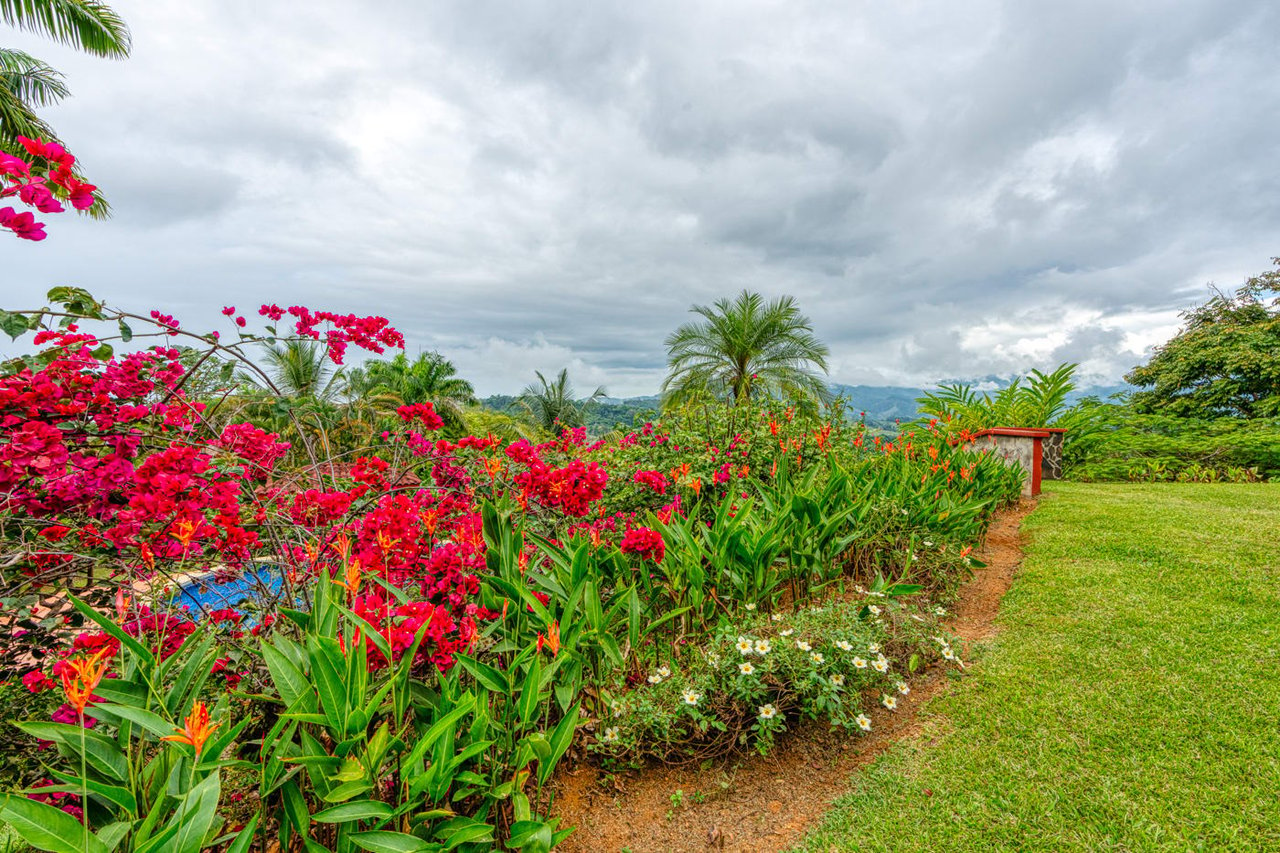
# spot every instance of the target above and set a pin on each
(824, 661)
(446, 609)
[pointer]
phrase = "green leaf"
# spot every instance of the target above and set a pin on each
(490, 677)
(382, 841)
(153, 723)
(529, 693)
(357, 810)
(126, 333)
(101, 753)
(47, 828)
(122, 797)
(194, 817)
(13, 325)
(288, 679)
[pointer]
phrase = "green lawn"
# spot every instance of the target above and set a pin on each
(1130, 702)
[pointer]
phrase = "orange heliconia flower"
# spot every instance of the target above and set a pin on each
(493, 466)
(82, 675)
(195, 729)
(184, 531)
(552, 639)
(353, 576)
(696, 485)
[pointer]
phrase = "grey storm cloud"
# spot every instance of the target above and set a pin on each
(948, 189)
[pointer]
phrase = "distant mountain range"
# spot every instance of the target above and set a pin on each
(883, 404)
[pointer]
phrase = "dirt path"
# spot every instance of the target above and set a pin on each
(756, 804)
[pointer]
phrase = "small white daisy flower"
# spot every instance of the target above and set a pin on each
(768, 712)
(864, 722)
(844, 645)
(939, 611)
(655, 679)
(750, 606)
(610, 735)
(803, 646)
(837, 680)
(664, 671)
(889, 702)
(942, 641)
(859, 663)
(880, 665)
(763, 647)
(874, 648)
(615, 707)
(904, 688)
(786, 632)
(690, 697)
(777, 617)
(875, 609)
(928, 543)
(744, 645)
(817, 657)
(746, 668)
(948, 654)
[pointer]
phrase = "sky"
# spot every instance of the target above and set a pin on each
(949, 190)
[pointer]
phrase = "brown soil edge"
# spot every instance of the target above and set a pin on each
(754, 803)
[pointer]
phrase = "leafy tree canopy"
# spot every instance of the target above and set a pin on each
(1225, 361)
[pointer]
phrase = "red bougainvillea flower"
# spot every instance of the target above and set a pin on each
(653, 480)
(645, 543)
(425, 413)
(195, 729)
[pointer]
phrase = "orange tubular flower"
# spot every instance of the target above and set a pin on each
(81, 676)
(696, 485)
(353, 577)
(552, 638)
(195, 729)
(184, 531)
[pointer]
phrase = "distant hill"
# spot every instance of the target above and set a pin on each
(883, 404)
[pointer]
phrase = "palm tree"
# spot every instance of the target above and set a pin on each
(746, 347)
(430, 378)
(27, 84)
(551, 405)
(300, 369)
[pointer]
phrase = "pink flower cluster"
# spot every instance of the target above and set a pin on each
(23, 179)
(645, 543)
(571, 489)
(371, 333)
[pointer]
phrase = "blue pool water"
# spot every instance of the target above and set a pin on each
(244, 592)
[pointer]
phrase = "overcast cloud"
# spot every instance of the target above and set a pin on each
(949, 189)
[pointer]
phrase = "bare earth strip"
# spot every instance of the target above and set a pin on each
(757, 804)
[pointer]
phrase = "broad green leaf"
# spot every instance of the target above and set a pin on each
(47, 828)
(357, 810)
(383, 841)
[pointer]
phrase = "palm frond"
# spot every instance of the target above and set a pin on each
(87, 25)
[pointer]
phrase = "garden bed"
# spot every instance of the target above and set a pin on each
(754, 803)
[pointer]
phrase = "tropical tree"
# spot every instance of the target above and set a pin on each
(1225, 361)
(430, 378)
(1036, 400)
(552, 405)
(28, 84)
(746, 347)
(300, 369)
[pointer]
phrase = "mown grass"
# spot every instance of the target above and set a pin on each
(1130, 702)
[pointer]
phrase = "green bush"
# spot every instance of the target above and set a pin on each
(1132, 446)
